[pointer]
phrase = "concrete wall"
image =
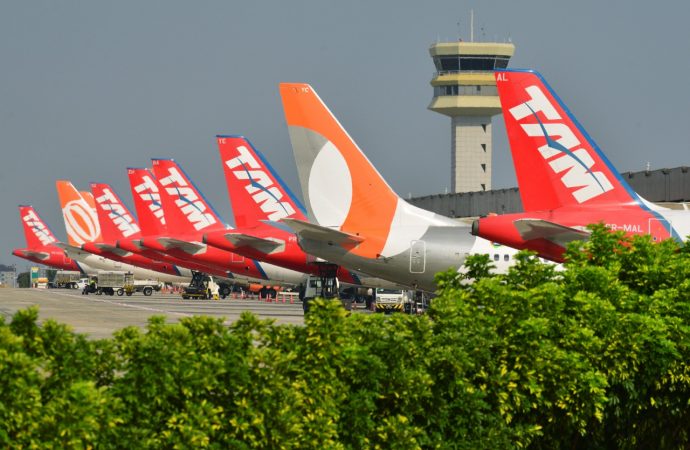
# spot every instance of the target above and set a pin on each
(663, 185)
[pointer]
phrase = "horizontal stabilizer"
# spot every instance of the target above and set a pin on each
(112, 249)
(259, 244)
(306, 230)
(561, 235)
(71, 251)
(36, 254)
(191, 248)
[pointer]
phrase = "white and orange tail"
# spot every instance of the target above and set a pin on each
(117, 222)
(186, 209)
(256, 191)
(146, 193)
(36, 232)
(341, 188)
(79, 214)
(556, 162)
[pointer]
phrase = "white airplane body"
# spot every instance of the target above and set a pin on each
(355, 218)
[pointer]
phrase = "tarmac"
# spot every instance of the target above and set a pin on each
(99, 316)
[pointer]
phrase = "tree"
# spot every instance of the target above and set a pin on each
(24, 280)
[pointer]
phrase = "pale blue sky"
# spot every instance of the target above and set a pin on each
(88, 88)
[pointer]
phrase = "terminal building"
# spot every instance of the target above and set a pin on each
(8, 279)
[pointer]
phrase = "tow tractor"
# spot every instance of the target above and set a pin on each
(202, 286)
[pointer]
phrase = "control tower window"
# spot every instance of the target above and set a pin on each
(465, 90)
(477, 63)
(445, 63)
(470, 63)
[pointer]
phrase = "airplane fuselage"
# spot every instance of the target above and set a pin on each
(101, 263)
(633, 219)
(440, 249)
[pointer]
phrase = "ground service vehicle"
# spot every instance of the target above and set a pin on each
(146, 287)
(111, 282)
(327, 287)
(202, 286)
(120, 283)
(66, 279)
(392, 300)
(82, 283)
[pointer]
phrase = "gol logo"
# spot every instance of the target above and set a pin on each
(81, 222)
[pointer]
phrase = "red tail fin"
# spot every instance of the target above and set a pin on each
(147, 201)
(186, 210)
(36, 232)
(556, 162)
(256, 192)
(115, 219)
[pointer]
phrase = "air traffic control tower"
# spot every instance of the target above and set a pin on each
(465, 90)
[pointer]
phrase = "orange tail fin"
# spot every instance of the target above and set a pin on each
(81, 220)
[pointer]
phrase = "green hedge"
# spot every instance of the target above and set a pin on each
(594, 356)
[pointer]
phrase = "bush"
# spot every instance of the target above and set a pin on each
(593, 356)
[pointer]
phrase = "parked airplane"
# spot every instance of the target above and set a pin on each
(117, 222)
(41, 242)
(146, 195)
(188, 216)
(258, 195)
(356, 219)
(82, 225)
(565, 180)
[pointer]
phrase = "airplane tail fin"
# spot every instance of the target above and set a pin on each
(36, 232)
(115, 219)
(256, 191)
(186, 209)
(81, 220)
(341, 187)
(147, 201)
(557, 163)
(91, 201)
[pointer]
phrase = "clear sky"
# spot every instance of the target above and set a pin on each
(88, 88)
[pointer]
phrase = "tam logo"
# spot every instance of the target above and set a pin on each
(81, 221)
(186, 200)
(149, 194)
(575, 162)
(117, 213)
(260, 186)
(38, 227)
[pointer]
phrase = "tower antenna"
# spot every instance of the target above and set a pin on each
(471, 25)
